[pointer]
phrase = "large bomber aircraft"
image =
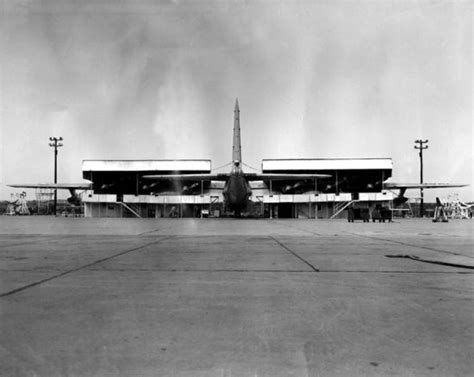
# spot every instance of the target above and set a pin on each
(237, 189)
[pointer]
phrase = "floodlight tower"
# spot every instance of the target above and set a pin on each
(56, 143)
(421, 147)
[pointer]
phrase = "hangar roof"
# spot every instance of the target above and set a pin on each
(146, 165)
(327, 164)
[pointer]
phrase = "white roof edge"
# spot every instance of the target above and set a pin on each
(146, 165)
(326, 158)
(327, 164)
(148, 159)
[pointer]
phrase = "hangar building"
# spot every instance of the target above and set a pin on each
(119, 189)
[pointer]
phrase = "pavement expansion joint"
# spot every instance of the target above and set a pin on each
(396, 272)
(33, 241)
(218, 270)
(301, 229)
(34, 284)
(409, 244)
(198, 270)
(294, 254)
(151, 231)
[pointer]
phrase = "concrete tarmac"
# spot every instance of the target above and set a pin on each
(233, 297)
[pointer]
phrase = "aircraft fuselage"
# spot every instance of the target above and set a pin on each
(236, 190)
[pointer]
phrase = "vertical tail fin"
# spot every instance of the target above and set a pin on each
(236, 147)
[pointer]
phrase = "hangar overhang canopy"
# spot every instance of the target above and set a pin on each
(353, 175)
(202, 166)
(125, 176)
(321, 164)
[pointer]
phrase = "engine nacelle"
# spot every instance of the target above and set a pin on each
(150, 186)
(74, 200)
(189, 189)
(399, 200)
(291, 188)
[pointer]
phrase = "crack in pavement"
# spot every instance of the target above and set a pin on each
(418, 259)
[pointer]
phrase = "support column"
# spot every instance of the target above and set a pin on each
(315, 194)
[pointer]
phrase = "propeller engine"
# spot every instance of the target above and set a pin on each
(189, 189)
(292, 188)
(107, 186)
(400, 199)
(150, 186)
(75, 198)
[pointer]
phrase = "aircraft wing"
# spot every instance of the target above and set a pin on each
(393, 185)
(283, 177)
(187, 177)
(67, 186)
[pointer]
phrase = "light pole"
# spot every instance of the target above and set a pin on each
(56, 143)
(420, 147)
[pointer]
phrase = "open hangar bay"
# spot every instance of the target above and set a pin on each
(228, 297)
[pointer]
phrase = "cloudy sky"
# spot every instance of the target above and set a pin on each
(158, 80)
